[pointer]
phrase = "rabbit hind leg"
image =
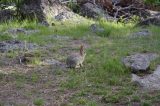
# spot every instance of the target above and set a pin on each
(77, 66)
(81, 65)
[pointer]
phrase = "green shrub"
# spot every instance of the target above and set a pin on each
(155, 2)
(17, 3)
(38, 102)
(75, 7)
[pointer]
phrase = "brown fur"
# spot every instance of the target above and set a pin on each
(81, 50)
(76, 60)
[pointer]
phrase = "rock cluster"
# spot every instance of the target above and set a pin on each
(140, 62)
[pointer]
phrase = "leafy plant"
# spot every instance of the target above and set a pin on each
(155, 2)
(17, 3)
(75, 7)
(38, 102)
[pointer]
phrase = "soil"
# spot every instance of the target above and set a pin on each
(22, 84)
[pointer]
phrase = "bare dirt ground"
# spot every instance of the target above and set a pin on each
(24, 84)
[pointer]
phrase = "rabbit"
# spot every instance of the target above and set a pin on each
(76, 60)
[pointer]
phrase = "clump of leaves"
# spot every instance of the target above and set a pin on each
(17, 3)
(154, 2)
(39, 102)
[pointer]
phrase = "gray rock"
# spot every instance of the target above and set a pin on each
(44, 23)
(154, 13)
(157, 14)
(6, 46)
(155, 20)
(116, 1)
(142, 33)
(64, 16)
(58, 37)
(93, 11)
(6, 15)
(96, 28)
(139, 62)
(15, 31)
(150, 82)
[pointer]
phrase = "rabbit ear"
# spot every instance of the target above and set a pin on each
(81, 50)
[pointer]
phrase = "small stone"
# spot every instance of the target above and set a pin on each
(58, 37)
(44, 23)
(64, 16)
(142, 33)
(96, 28)
(15, 31)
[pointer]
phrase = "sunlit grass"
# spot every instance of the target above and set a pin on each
(114, 29)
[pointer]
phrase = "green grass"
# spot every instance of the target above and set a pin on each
(84, 101)
(146, 103)
(135, 99)
(5, 37)
(38, 102)
(105, 68)
(114, 29)
(103, 74)
(154, 2)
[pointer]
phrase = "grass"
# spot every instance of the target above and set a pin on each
(5, 37)
(103, 75)
(112, 28)
(39, 102)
